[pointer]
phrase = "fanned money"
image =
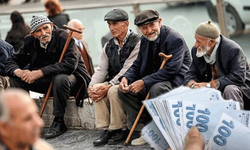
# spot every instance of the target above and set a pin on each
(174, 113)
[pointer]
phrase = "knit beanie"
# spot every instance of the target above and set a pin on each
(37, 21)
(208, 29)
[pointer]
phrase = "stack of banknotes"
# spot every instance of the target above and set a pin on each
(221, 123)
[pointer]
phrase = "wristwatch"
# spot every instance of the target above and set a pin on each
(208, 85)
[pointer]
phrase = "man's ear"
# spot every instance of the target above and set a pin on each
(127, 23)
(212, 43)
(159, 20)
(32, 33)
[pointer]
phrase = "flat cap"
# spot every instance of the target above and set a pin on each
(208, 29)
(146, 16)
(116, 14)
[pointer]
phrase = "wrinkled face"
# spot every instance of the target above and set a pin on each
(151, 30)
(44, 32)
(25, 125)
(202, 45)
(118, 28)
(79, 27)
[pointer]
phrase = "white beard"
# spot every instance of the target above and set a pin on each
(202, 52)
(155, 37)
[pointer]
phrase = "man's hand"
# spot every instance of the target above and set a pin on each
(137, 86)
(98, 93)
(194, 140)
(92, 93)
(19, 73)
(200, 84)
(123, 86)
(31, 76)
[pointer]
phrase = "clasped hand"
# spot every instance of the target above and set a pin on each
(28, 76)
(97, 94)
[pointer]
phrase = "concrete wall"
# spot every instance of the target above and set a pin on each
(75, 117)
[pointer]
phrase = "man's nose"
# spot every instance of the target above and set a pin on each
(43, 32)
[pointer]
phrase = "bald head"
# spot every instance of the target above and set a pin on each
(78, 25)
(23, 125)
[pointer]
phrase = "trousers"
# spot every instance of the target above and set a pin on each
(4, 83)
(109, 112)
(133, 102)
(233, 92)
(61, 89)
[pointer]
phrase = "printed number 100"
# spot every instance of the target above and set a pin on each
(224, 132)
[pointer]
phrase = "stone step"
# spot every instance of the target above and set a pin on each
(75, 117)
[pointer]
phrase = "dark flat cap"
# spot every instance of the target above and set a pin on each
(146, 16)
(117, 14)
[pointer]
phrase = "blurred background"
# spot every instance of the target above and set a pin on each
(181, 15)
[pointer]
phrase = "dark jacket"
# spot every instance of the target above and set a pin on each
(231, 63)
(6, 50)
(170, 42)
(60, 19)
(71, 63)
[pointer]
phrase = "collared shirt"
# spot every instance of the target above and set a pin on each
(123, 42)
(101, 71)
(78, 43)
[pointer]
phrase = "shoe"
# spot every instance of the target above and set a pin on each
(106, 135)
(118, 137)
(138, 141)
(55, 130)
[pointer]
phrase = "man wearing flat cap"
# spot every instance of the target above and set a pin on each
(219, 63)
(117, 56)
(40, 54)
(144, 75)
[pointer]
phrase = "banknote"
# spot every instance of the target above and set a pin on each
(154, 137)
(230, 134)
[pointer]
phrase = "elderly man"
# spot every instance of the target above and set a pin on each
(117, 56)
(20, 125)
(6, 50)
(82, 45)
(219, 63)
(42, 50)
(144, 75)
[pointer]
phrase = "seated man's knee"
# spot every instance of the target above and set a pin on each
(113, 91)
(60, 80)
(230, 89)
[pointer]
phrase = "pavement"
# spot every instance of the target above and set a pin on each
(83, 140)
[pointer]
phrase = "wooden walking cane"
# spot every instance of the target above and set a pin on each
(61, 57)
(165, 59)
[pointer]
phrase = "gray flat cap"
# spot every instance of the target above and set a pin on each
(117, 14)
(146, 16)
(208, 29)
